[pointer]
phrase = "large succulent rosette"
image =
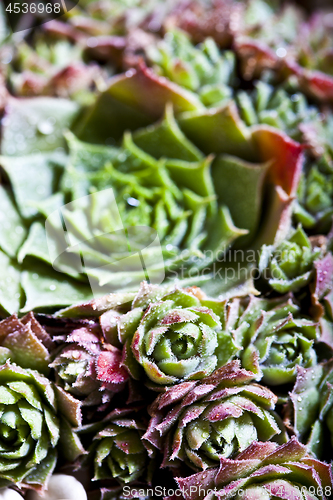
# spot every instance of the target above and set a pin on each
(32, 426)
(201, 422)
(263, 470)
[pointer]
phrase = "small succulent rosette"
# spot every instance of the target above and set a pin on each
(89, 368)
(174, 335)
(117, 451)
(263, 471)
(313, 208)
(288, 265)
(201, 422)
(273, 337)
(310, 409)
(273, 105)
(35, 421)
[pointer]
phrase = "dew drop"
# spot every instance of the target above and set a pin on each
(281, 52)
(46, 127)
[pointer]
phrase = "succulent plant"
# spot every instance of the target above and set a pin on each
(277, 106)
(289, 265)
(53, 68)
(149, 147)
(88, 369)
(174, 335)
(322, 288)
(314, 203)
(274, 336)
(25, 342)
(202, 69)
(263, 470)
(310, 410)
(118, 451)
(32, 426)
(219, 416)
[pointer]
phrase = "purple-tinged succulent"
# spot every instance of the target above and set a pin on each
(219, 416)
(25, 342)
(89, 369)
(263, 471)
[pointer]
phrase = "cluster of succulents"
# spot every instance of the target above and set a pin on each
(166, 252)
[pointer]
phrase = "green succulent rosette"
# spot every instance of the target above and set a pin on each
(313, 208)
(117, 450)
(263, 470)
(322, 298)
(202, 69)
(274, 337)
(310, 411)
(278, 106)
(289, 265)
(219, 416)
(174, 335)
(32, 427)
(211, 73)
(314, 202)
